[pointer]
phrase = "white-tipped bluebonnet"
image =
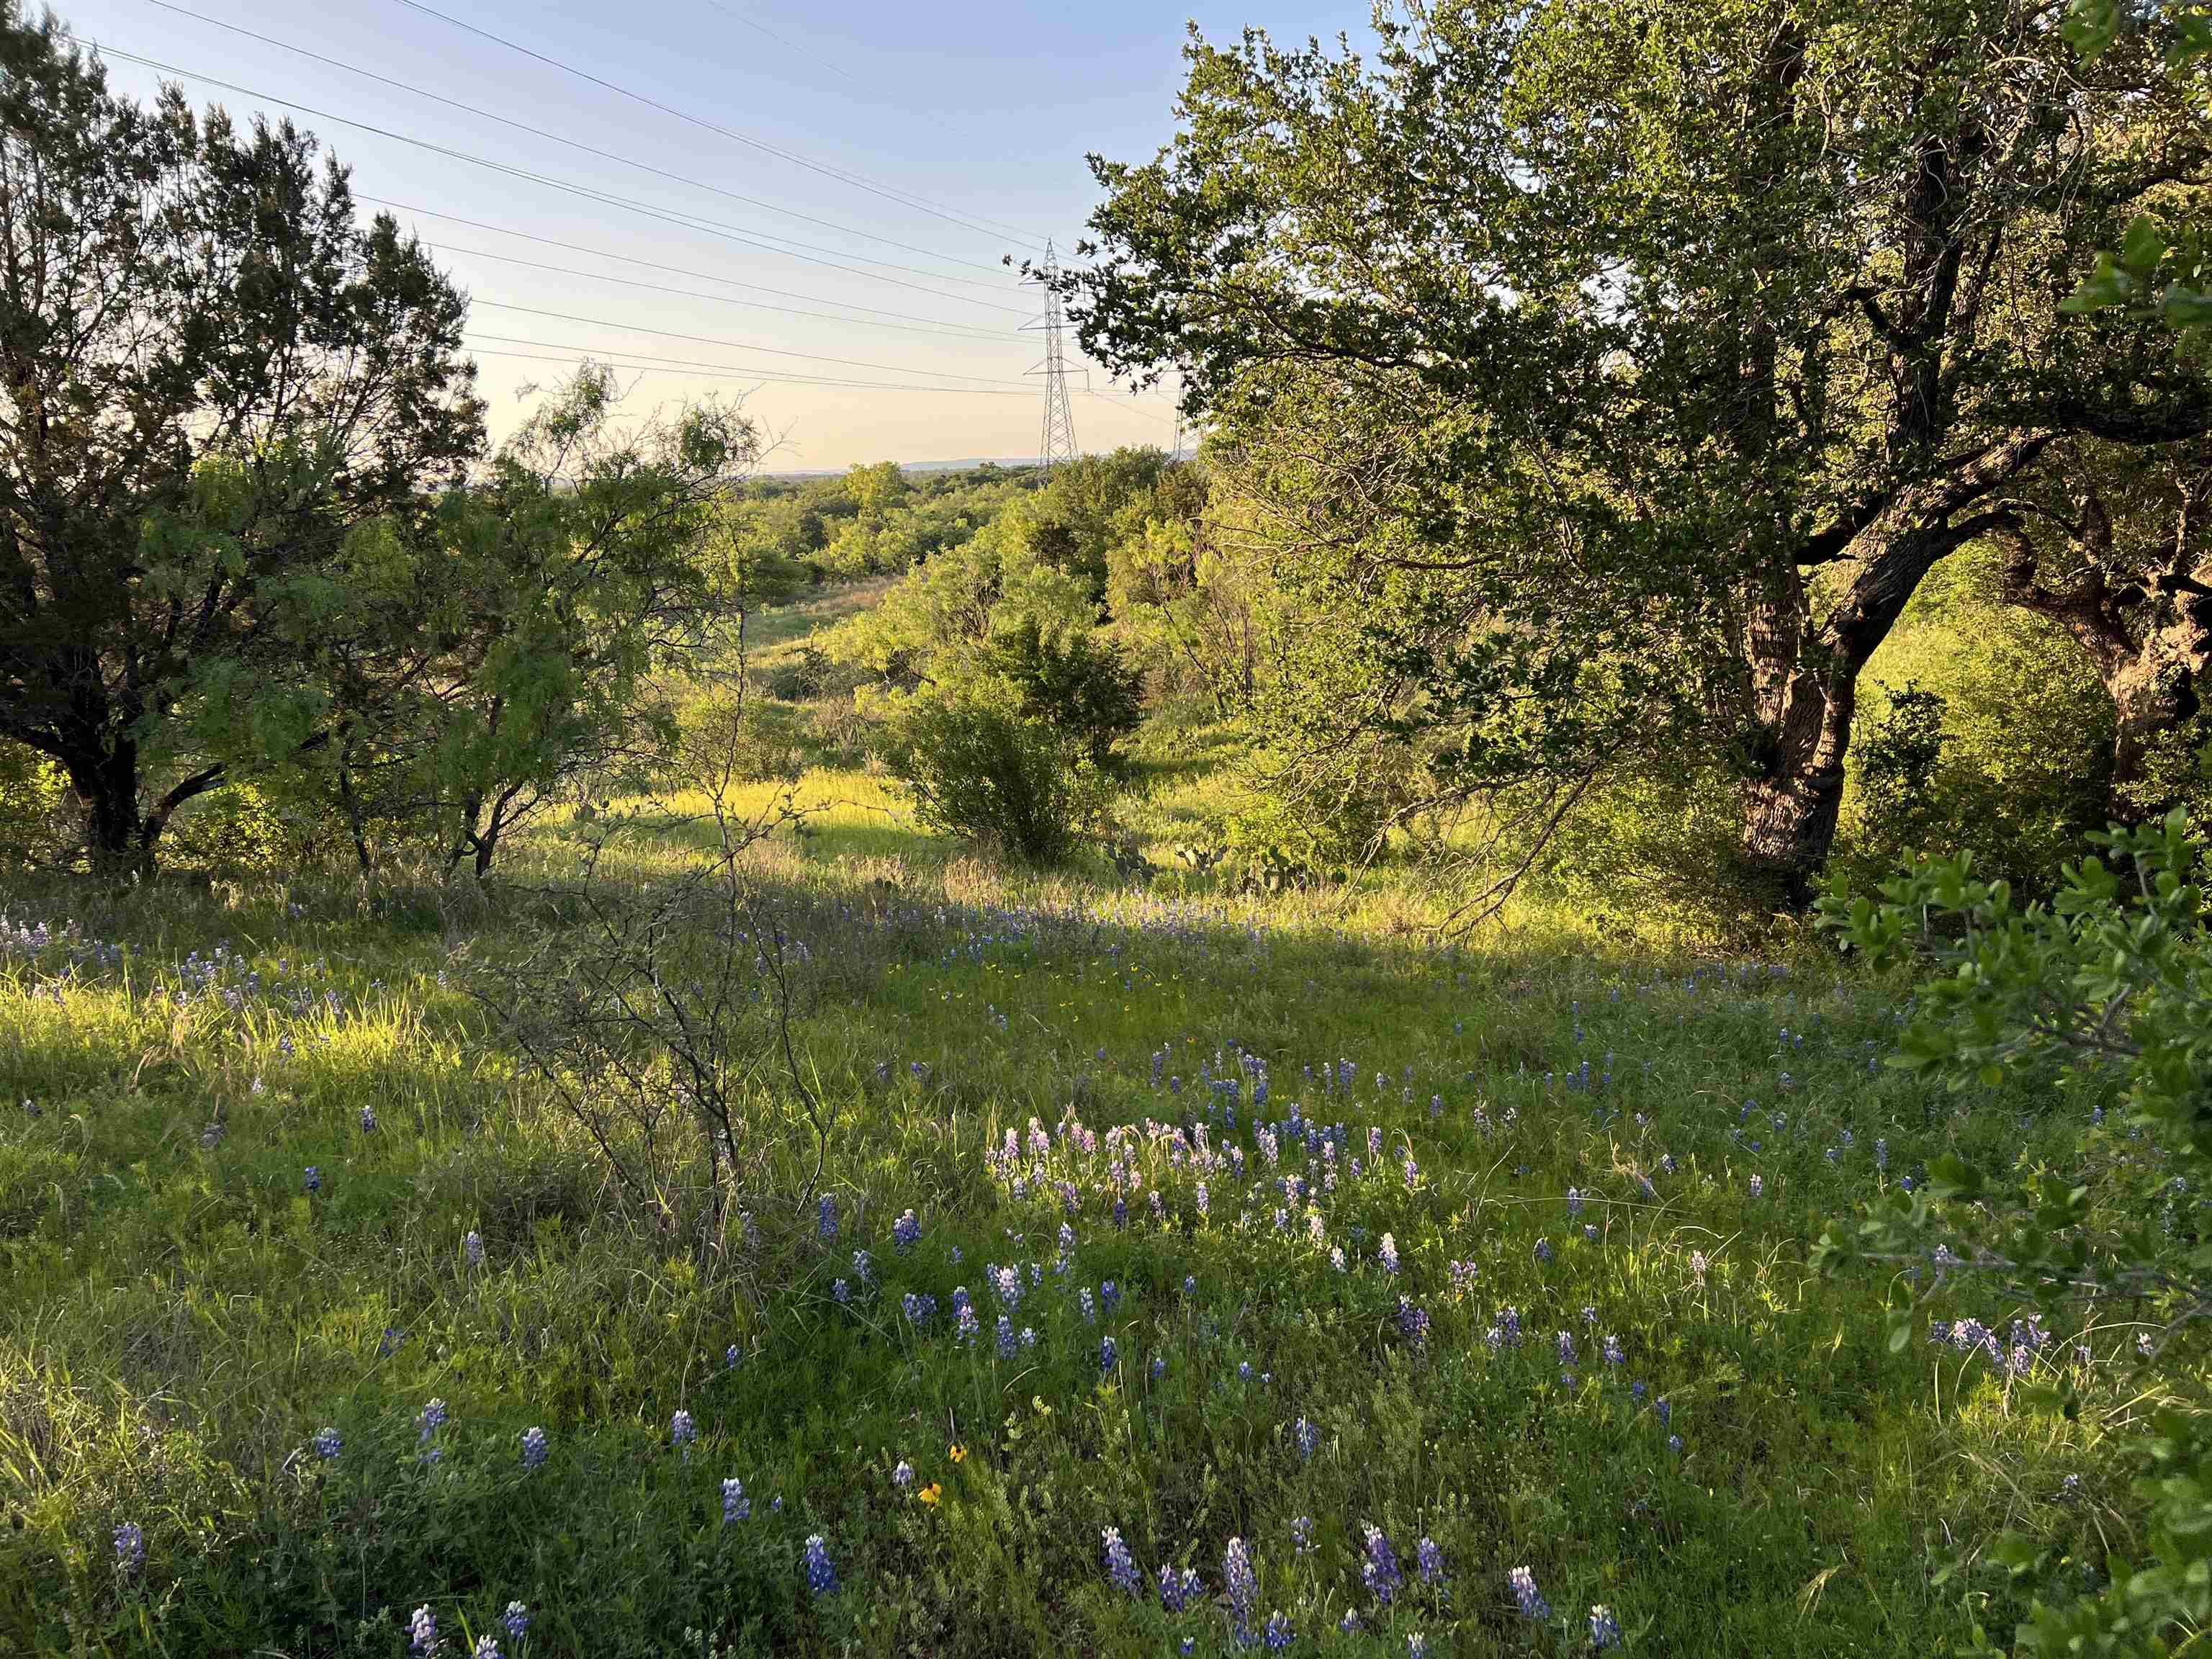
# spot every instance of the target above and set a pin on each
(1417, 1645)
(1308, 1438)
(903, 1476)
(1526, 1595)
(1006, 1337)
(487, 1647)
(1544, 1251)
(1380, 1571)
(1412, 1322)
(733, 1356)
(864, 1267)
(1604, 1628)
(1387, 1254)
(1159, 1366)
(314, 1178)
(820, 1573)
(1178, 1589)
(1614, 1353)
(472, 1248)
(130, 1549)
(841, 1293)
(534, 1448)
(735, 1506)
(681, 1432)
(422, 1631)
(1758, 1186)
(1110, 1355)
(327, 1444)
(1675, 1444)
(516, 1620)
(1278, 1633)
(369, 1119)
(1429, 1558)
(906, 1232)
(1120, 1567)
(1242, 1585)
(1302, 1531)
(1110, 1298)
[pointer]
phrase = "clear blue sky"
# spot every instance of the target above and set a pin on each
(984, 109)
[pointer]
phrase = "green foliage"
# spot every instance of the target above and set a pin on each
(217, 378)
(2108, 992)
(988, 772)
(1072, 681)
(1651, 436)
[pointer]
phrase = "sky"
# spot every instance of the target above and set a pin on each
(889, 157)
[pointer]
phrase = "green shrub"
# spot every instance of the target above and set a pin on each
(992, 774)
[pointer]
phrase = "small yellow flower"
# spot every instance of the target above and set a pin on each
(959, 1452)
(930, 1493)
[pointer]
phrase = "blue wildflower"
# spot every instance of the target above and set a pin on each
(1526, 1595)
(820, 1573)
(130, 1549)
(1119, 1566)
(534, 1448)
(327, 1444)
(735, 1506)
(682, 1432)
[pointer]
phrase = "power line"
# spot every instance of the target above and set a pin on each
(978, 338)
(719, 371)
(889, 193)
(687, 221)
(679, 270)
(573, 143)
(1056, 442)
(734, 345)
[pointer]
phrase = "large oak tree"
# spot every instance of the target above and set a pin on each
(1609, 372)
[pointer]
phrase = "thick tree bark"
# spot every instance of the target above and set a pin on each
(2146, 633)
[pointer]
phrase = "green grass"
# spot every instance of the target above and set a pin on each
(179, 1315)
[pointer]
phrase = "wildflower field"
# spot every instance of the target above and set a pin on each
(1184, 1272)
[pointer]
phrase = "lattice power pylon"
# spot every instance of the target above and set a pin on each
(1056, 444)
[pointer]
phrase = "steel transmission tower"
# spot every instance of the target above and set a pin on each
(1056, 446)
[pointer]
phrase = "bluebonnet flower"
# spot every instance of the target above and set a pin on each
(422, 1631)
(1088, 1304)
(1589, 1234)
(919, 1309)
(1189, 1284)
(1380, 1572)
(516, 1620)
(472, 1248)
(1881, 1153)
(1613, 1355)
(369, 1119)
(1428, 1557)
(1675, 1444)
(1544, 1251)
(1604, 1628)
(487, 1647)
(821, 1573)
(1278, 1633)
(906, 1232)
(1119, 1567)
(826, 1225)
(1698, 1265)
(842, 1292)
(1386, 1252)
(327, 1444)
(1336, 1257)
(1758, 1186)
(1109, 1295)
(1526, 1595)
(1574, 1201)
(864, 1267)
(1004, 1336)
(1243, 1586)
(733, 1356)
(682, 1432)
(1417, 1645)
(1301, 1529)
(1412, 1322)
(1307, 1436)
(314, 1178)
(1109, 1356)
(1244, 1371)
(1566, 1347)
(534, 1448)
(1350, 1623)
(903, 1476)
(1178, 1589)
(735, 1506)
(1028, 1336)
(1007, 1282)
(967, 1326)
(130, 1549)
(1159, 1366)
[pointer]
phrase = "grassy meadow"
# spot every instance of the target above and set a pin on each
(1189, 1271)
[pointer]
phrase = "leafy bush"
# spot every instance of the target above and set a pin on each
(1070, 681)
(993, 775)
(2109, 991)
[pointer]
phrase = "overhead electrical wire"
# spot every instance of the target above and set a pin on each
(977, 338)
(686, 221)
(679, 270)
(734, 345)
(574, 143)
(719, 371)
(859, 181)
